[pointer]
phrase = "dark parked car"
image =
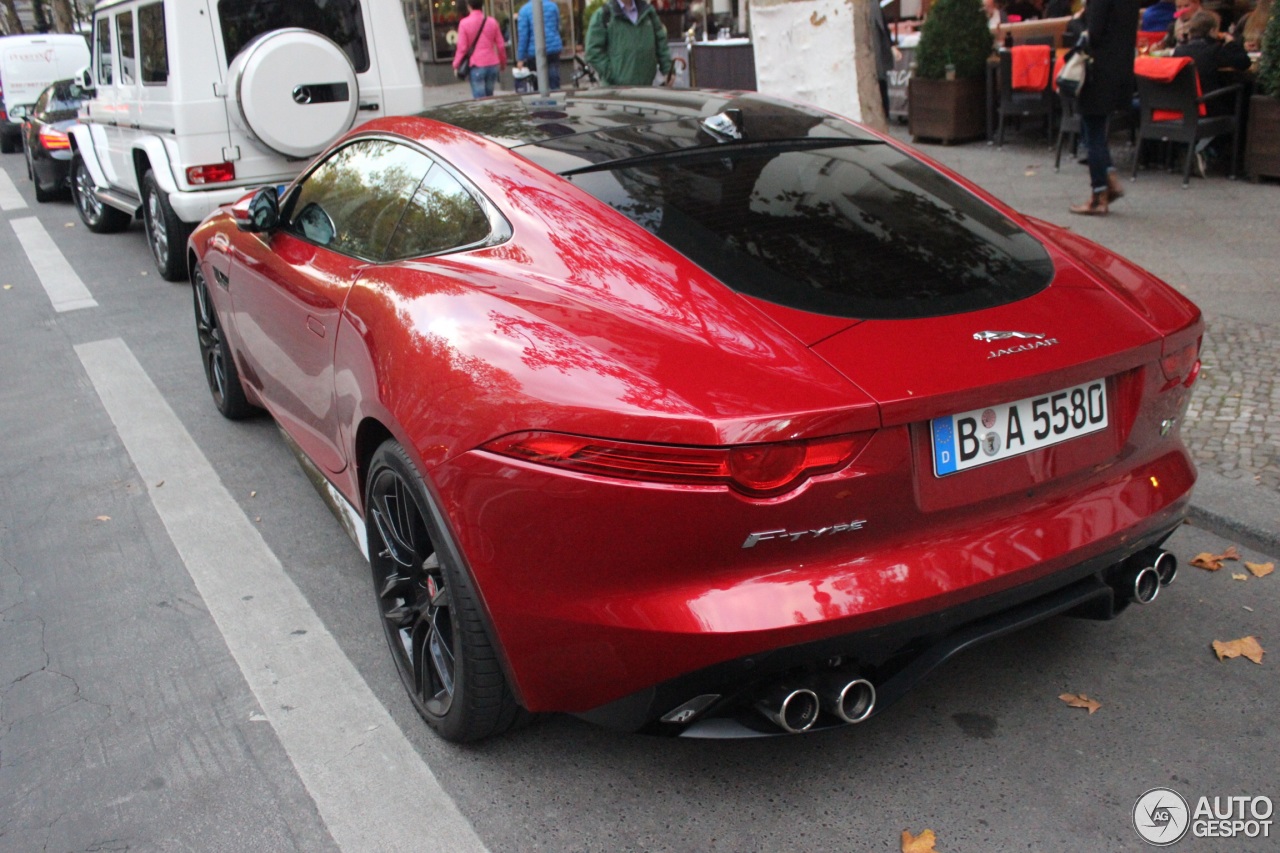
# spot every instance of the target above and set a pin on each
(697, 413)
(44, 134)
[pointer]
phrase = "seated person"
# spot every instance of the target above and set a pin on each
(1210, 52)
(1158, 17)
(1177, 33)
(1249, 28)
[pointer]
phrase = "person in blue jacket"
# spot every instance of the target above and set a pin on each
(526, 49)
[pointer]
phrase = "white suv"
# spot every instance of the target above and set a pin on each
(195, 100)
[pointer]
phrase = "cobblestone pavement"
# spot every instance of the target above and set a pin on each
(1218, 242)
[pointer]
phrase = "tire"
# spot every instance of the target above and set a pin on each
(429, 609)
(97, 217)
(219, 365)
(42, 195)
(166, 233)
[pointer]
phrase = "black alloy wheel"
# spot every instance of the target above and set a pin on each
(219, 366)
(98, 217)
(429, 611)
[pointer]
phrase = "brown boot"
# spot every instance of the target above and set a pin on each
(1115, 189)
(1095, 206)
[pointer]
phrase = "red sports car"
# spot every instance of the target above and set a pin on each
(697, 413)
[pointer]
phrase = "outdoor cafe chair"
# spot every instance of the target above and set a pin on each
(1175, 111)
(1025, 103)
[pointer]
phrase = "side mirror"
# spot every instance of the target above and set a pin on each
(85, 79)
(18, 113)
(257, 212)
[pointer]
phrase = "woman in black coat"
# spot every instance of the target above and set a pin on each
(1112, 27)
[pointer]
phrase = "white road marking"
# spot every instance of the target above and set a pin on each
(10, 198)
(370, 786)
(66, 291)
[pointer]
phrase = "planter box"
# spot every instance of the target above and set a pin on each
(1262, 143)
(947, 110)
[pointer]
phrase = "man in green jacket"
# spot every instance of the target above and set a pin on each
(627, 44)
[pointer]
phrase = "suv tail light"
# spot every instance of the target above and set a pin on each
(214, 173)
(54, 140)
(756, 470)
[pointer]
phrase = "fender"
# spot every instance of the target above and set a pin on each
(82, 143)
(153, 151)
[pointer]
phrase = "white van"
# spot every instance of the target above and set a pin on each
(196, 100)
(28, 64)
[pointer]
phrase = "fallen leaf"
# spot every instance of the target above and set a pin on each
(922, 843)
(8, 287)
(253, 494)
(1247, 607)
(1260, 570)
(1079, 700)
(1241, 577)
(1213, 562)
(68, 225)
(144, 274)
(257, 518)
(159, 484)
(1030, 173)
(103, 518)
(1206, 561)
(1248, 647)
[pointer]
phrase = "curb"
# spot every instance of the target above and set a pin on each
(1237, 510)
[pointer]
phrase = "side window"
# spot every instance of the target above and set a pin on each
(128, 59)
(151, 39)
(441, 216)
(104, 52)
(353, 201)
(42, 102)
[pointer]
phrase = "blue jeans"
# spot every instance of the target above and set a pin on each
(1093, 132)
(482, 80)
(553, 68)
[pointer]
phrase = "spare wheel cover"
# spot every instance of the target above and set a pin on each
(296, 91)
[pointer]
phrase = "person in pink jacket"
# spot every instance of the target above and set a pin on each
(489, 56)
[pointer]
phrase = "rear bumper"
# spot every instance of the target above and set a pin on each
(894, 658)
(604, 598)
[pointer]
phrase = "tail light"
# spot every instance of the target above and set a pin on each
(213, 173)
(1182, 366)
(54, 140)
(756, 470)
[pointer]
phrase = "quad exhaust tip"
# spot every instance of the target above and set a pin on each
(1146, 585)
(1143, 574)
(852, 702)
(791, 709)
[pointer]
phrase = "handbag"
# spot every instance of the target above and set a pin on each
(464, 67)
(1074, 73)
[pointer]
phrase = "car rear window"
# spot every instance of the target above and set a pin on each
(853, 230)
(338, 20)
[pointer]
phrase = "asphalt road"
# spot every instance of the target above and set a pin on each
(145, 704)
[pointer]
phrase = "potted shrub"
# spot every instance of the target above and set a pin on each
(947, 94)
(1262, 144)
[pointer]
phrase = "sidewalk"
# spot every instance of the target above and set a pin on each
(1219, 243)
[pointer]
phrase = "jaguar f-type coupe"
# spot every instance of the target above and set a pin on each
(697, 413)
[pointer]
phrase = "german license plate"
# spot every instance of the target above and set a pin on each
(975, 438)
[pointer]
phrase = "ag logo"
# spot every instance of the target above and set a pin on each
(1161, 817)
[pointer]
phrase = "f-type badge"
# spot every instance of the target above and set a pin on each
(796, 535)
